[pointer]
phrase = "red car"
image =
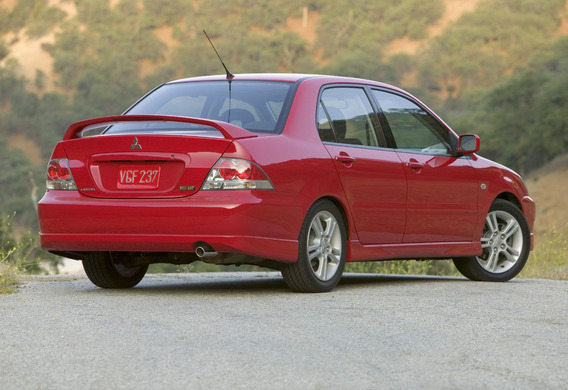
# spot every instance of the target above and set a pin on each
(300, 173)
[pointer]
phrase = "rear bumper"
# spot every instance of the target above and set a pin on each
(253, 223)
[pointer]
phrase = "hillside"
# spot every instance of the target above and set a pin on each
(548, 186)
(32, 58)
(496, 68)
(29, 50)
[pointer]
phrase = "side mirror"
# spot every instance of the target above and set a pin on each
(468, 144)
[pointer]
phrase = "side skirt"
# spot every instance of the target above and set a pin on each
(436, 250)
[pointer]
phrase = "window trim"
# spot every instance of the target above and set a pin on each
(286, 106)
(388, 132)
(374, 116)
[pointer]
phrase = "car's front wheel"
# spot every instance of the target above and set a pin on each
(505, 243)
(104, 271)
(322, 251)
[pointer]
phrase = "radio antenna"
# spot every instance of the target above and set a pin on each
(229, 74)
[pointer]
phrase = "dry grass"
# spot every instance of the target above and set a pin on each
(548, 186)
(549, 260)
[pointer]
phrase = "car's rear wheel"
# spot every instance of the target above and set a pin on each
(106, 272)
(322, 250)
(505, 243)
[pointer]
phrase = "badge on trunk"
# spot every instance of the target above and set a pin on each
(135, 144)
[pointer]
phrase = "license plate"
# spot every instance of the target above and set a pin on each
(138, 176)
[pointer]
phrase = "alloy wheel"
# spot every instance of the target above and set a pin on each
(324, 245)
(502, 242)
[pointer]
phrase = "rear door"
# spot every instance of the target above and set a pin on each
(442, 189)
(372, 176)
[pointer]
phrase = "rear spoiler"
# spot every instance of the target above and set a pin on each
(228, 130)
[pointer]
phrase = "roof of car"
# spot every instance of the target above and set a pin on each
(290, 77)
(287, 77)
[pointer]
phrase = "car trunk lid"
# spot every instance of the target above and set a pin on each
(142, 161)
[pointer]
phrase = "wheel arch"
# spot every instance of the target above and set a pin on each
(342, 211)
(500, 237)
(510, 197)
(525, 204)
(321, 258)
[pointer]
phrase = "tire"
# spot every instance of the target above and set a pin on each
(321, 252)
(505, 241)
(103, 271)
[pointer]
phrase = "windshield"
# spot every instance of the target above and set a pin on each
(257, 106)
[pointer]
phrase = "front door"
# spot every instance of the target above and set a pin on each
(442, 189)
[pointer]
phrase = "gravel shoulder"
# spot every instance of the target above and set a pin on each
(247, 330)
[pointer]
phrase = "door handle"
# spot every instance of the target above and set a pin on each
(345, 159)
(414, 165)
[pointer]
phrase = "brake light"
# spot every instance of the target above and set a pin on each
(58, 170)
(59, 175)
(236, 174)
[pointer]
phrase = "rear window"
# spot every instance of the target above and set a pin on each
(257, 106)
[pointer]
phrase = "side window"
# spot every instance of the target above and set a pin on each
(412, 127)
(345, 116)
(324, 126)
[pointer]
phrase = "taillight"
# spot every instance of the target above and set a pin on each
(236, 174)
(59, 175)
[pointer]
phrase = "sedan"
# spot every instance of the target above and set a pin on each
(299, 173)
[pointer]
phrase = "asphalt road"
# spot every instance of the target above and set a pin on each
(248, 331)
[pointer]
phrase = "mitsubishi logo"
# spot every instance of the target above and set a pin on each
(135, 144)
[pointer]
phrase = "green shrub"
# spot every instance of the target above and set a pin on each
(20, 255)
(9, 272)
(10, 260)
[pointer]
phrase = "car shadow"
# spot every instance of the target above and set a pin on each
(350, 279)
(257, 283)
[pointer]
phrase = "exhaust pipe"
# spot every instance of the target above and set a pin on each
(205, 251)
